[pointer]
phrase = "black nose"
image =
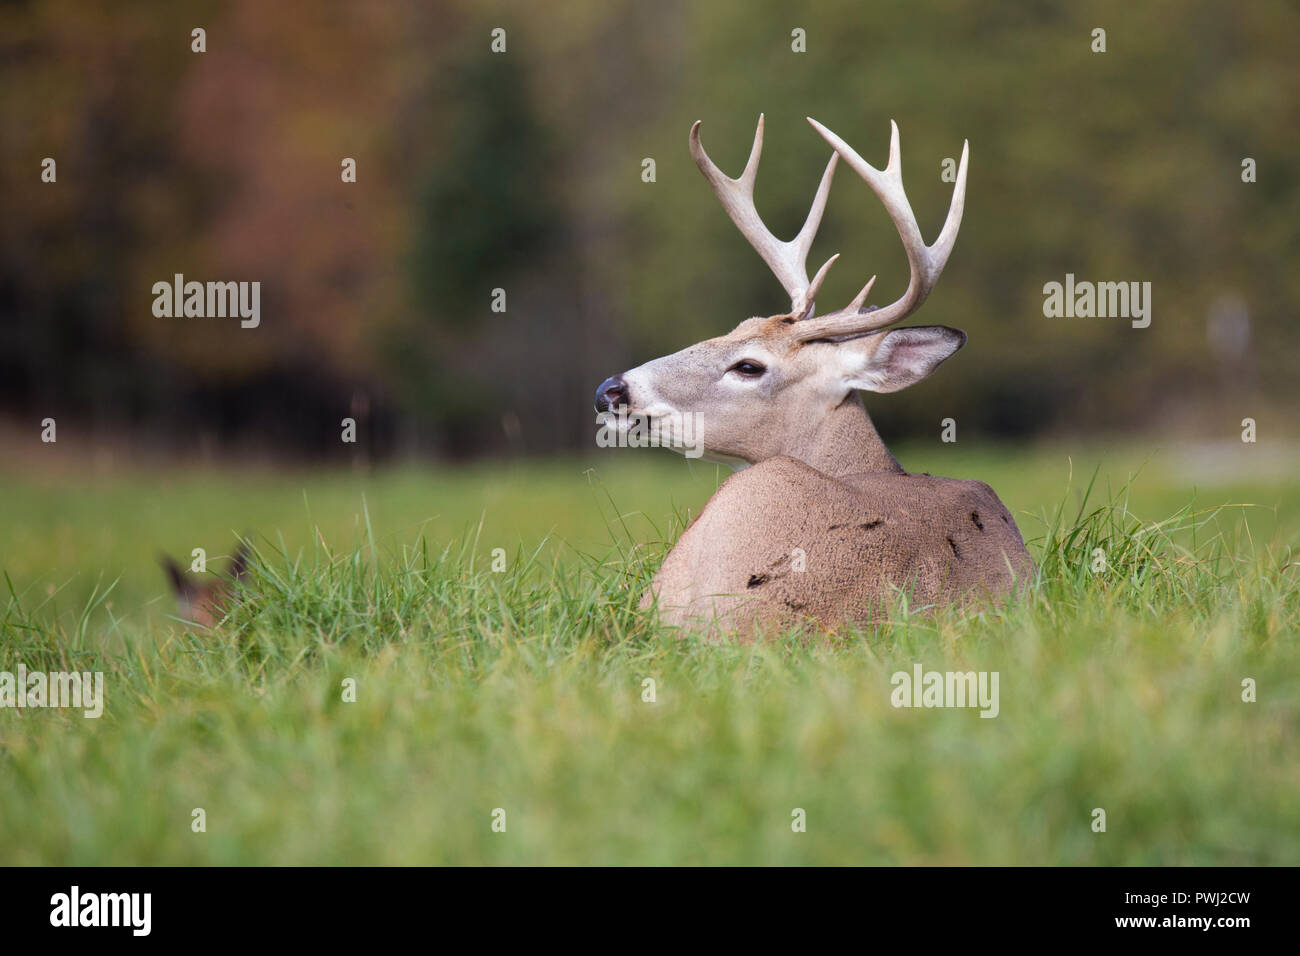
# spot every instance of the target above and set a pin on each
(611, 394)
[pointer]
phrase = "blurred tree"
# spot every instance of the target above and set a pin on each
(487, 218)
(521, 171)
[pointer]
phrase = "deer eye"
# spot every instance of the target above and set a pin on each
(748, 369)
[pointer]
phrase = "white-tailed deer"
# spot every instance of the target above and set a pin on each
(820, 521)
(204, 602)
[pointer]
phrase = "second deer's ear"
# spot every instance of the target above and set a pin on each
(897, 358)
(175, 576)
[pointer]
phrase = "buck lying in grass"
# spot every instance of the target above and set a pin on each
(820, 520)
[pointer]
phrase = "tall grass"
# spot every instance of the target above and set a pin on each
(526, 689)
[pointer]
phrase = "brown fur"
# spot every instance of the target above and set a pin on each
(206, 601)
(861, 539)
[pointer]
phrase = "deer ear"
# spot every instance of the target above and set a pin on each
(898, 358)
(174, 574)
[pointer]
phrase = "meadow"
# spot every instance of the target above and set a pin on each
(520, 694)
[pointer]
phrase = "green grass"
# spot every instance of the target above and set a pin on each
(522, 689)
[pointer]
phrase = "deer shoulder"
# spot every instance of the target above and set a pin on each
(782, 542)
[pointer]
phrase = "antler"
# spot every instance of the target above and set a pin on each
(925, 262)
(787, 260)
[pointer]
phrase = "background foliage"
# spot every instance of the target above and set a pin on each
(522, 171)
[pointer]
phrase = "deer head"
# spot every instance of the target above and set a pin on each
(205, 602)
(787, 384)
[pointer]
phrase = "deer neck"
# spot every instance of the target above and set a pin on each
(845, 442)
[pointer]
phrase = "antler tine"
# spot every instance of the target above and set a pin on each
(787, 260)
(925, 263)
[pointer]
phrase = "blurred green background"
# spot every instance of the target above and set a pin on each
(523, 171)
